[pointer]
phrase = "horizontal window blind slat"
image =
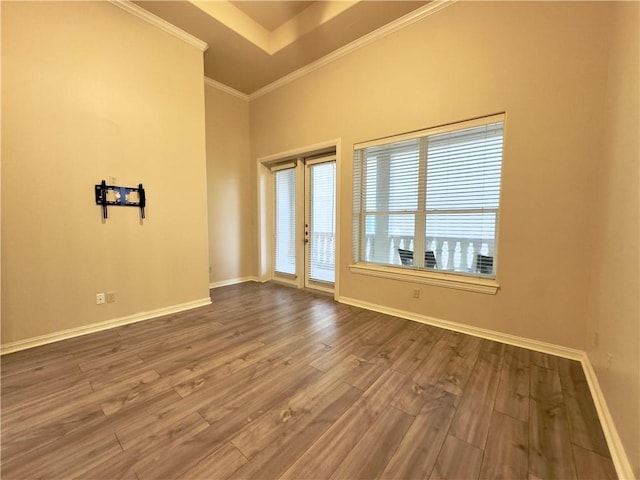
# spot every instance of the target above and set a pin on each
(447, 183)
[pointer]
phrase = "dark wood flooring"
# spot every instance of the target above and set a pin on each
(272, 382)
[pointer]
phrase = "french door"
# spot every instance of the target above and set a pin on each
(305, 223)
(320, 223)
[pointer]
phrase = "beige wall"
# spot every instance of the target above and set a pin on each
(538, 62)
(90, 91)
(569, 218)
(230, 186)
(615, 306)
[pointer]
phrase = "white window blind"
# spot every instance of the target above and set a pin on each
(285, 221)
(430, 200)
(322, 222)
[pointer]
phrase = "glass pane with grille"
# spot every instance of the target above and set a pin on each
(387, 236)
(430, 199)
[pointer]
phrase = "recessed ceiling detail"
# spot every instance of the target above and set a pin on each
(252, 27)
(274, 16)
(254, 43)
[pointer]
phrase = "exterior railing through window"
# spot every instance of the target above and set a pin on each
(456, 254)
(322, 256)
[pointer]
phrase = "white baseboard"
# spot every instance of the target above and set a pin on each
(97, 327)
(618, 454)
(616, 448)
(496, 336)
(232, 281)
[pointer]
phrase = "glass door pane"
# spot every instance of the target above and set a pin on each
(320, 224)
(285, 221)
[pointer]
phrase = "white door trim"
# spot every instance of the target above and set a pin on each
(265, 198)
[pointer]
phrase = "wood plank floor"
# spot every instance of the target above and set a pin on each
(271, 382)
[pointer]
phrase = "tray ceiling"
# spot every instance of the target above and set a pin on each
(254, 43)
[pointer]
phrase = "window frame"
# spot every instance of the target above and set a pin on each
(417, 273)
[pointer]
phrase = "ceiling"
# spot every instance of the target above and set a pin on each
(254, 43)
(274, 15)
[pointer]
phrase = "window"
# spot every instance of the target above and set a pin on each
(429, 201)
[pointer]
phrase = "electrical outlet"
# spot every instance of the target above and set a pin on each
(416, 293)
(100, 298)
(111, 297)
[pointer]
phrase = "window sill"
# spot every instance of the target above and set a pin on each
(446, 280)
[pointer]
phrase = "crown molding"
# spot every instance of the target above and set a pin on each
(158, 22)
(226, 89)
(317, 14)
(312, 17)
(232, 17)
(402, 22)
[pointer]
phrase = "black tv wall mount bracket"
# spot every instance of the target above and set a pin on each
(123, 196)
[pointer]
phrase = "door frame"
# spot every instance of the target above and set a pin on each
(306, 168)
(265, 211)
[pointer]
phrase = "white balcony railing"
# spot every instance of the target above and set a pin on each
(323, 249)
(452, 254)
